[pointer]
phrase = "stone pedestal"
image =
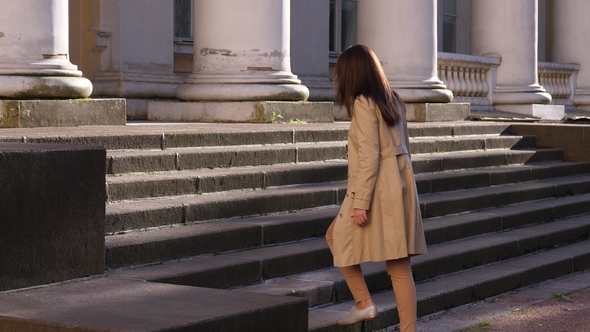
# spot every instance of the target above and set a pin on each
(61, 113)
(53, 212)
(246, 111)
(431, 112)
(242, 53)
(571, 43)
(493, 34)
(34, 52)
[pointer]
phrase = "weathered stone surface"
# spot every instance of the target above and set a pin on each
(430, 112)
(113, 304)
(52, 213)
(248, 111)
(59, 113)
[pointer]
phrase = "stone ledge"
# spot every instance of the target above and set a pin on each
(255, 111)
(113, 304)
(61, 113)
(432, 112)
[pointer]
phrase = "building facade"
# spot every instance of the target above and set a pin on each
(443, 57)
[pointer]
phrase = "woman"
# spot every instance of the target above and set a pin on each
(380, 217)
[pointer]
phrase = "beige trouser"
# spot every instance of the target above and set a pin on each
(400, 272)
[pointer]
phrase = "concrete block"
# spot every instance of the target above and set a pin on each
(262, 111)
(52, 208)
(61, 113)
(431, 112)
(113, 304)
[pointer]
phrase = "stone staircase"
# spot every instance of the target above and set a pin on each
(245, 208)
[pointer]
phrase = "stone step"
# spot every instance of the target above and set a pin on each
(470, 143)
(328, 286)
(269, 154)
(153, 135)
(450, 241)
(179, 242)
(219, 157)
(194, 182)
(123, 216)
(476, 178)
(461, 201)
(440, 162)
(468, 286)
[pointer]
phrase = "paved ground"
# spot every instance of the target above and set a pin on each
(553, 306)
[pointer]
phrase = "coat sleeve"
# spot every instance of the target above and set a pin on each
(368, 152)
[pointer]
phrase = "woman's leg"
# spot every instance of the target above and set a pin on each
(353, 275)
(400, 272)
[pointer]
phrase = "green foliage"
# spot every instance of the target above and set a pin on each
(561, 297)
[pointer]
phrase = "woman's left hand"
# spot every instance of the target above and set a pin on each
(360, 217)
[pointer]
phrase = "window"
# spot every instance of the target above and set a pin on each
(342, 25)
(183, 36)
(454, 26)
(449, 26)
(183, 19)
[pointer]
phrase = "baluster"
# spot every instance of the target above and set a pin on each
(451, 76)
(484, 82)
(470, 82)
(461, 70)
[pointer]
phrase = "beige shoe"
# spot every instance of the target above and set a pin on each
(357, 315)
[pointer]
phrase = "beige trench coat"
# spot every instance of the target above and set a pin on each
(380, 180)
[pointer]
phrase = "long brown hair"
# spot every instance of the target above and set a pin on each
(359, 73)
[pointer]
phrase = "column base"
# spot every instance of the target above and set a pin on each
(411, 95)
(242, 92)
(61, 113)
(320, 88)
(431, 112)
(253, 111)
(132, 85)
(54, 87)
(545, 112)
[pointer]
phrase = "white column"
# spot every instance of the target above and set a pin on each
(34, 52)
(242, 53)
(310, 32)
(138, 61)
(571, 43)
(508, 29)
(403, 35)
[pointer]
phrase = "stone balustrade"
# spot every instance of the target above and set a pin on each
(470, 78)
(559, 80)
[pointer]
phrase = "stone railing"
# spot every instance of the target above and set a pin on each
(470, 78)
(559, 80)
